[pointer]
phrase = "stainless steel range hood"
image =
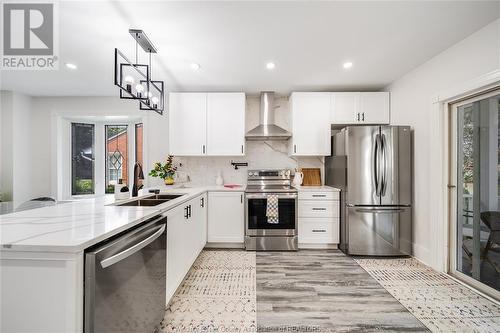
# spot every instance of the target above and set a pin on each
(267, 130)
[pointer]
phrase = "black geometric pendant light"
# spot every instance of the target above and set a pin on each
(134, 79)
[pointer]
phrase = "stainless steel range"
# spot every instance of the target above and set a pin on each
(262, 233)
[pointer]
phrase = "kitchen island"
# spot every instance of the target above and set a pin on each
(42, 254)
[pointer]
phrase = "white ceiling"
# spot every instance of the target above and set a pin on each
(232, 41)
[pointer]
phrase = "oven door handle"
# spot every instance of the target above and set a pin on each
(264, 195)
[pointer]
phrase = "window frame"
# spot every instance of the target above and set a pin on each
(71, 182)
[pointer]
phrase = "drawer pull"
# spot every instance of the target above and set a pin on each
(319, 195)
(319, 208)
(318, 230)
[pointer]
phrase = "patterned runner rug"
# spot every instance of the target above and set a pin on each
(218, 295)
(437, 300)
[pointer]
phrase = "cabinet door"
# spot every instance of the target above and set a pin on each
(175, 246)
(226, 222)
(310, 124)
(374, 107)
(198, 222)
(187, 124)
(345, 108)
(225, 124)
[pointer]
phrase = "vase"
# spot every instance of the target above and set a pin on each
(169, 180)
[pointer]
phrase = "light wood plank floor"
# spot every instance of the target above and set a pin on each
(324, 291)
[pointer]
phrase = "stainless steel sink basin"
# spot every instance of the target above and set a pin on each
(144, 202)
(167, 196)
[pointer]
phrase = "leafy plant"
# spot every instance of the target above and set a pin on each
(164, 171)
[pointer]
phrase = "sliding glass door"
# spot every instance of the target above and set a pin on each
(475, 226)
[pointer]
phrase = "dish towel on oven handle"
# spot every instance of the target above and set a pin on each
(272, 209)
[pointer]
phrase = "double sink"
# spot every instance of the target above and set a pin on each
(153, 200)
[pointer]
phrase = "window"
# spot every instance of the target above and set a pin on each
(116, 156)
(82, 159)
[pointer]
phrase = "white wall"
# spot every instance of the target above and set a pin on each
(18, 165)
(411, 104)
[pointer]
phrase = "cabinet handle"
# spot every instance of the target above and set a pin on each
(186, 214)
(189, 211)
(318, 230)
(319, 195)
(363, 116)
(358, 116)
(242, 149)
(203, 149)
(202, 202)
(294, 148)
(319, 208)
(241, 198)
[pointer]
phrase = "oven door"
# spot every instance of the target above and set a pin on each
(256, 219)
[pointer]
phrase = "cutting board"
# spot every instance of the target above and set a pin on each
(312, 177)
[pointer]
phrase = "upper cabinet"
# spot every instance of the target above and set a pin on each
(310, 114)
(226, 124)
(360, 108)
(188, 124)
(207, 124)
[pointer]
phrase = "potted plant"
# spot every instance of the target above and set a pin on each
(165, 171)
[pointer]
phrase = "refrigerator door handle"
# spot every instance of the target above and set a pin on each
(383, 186)
(376, 165)
(380, 210)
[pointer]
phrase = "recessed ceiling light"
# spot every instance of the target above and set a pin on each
(270, 65)
(347, 65)
(71, 66)
(195, 66)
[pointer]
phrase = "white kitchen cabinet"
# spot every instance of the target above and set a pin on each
(226, 222)
(360, 108)
(310, 112)
(207, 124)
(345, 107)
(226, 124)
(319, 218)
(187, 124)
(176, 261)
(186, 238)
(374, 107)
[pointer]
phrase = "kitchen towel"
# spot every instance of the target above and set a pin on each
(272, 209)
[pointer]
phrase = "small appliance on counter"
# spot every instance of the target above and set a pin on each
(373, 168)
(271, 211)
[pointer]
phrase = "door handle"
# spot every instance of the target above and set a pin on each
(133, 249)
(376, 165)
(384, 173)
(315, 208)
(383, 211)
(318, 230)
(319, 195)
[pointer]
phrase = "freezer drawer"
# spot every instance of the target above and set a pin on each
(379, 231)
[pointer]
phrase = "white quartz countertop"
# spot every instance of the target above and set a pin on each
(74, 226)
(323, 188)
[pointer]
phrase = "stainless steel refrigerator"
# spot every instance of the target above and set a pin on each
(372, 165)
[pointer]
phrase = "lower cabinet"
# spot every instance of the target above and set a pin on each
(226, 217)
(186, 237)
(318, 219)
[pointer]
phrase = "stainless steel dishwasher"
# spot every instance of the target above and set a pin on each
(125, 280)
